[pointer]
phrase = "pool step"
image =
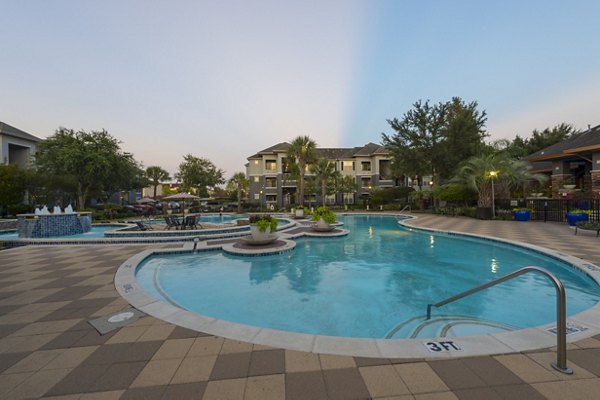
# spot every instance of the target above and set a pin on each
(446, 325)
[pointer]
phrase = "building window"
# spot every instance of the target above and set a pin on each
(271, 198)
(270, 182)
(347, 166)
(256, 179)
(365, 182)
(256, 196)
(271, 165)
(365, 166)
(385, 170)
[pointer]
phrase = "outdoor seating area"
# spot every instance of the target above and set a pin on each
(188, 222)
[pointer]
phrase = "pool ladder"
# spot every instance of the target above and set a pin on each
(561, 319)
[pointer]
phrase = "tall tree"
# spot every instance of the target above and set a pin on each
(156, 175)
(477, 173)
(12, 186)
(302, 151)
(325, 172)
(199, 174)
(93, 160)
(433, 139)
(240, 183)
(344, 184)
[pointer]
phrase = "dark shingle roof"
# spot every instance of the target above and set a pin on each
(582, 142)
(333, 153)
(9, 130)
(371, 149)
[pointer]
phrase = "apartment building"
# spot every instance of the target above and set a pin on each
(271, 182)
(16, 146)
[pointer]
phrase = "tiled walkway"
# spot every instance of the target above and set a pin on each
(48, 350)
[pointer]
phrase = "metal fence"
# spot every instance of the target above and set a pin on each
(551, 209)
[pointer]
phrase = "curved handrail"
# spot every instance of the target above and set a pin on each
(561, 319)
(405, 208)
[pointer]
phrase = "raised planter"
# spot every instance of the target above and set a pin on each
(574, 218)
(522, 215)
(483, 213)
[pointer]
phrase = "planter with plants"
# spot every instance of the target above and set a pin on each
(588, 226)
(301, 212)
(521, 214)
(577, 215)
(324, 218)
(261, 226)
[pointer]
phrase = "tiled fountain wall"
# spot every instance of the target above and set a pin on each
(50, 225)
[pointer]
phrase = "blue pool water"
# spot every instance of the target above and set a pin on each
(375, 283)
(95, 233)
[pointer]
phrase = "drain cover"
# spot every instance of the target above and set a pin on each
(116, 320)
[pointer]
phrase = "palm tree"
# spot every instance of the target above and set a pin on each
(324, 171)
(344, 184)
(302, 151)
(239, 181)
(156, 175)
(477, 173)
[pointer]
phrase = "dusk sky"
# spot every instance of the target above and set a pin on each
(225, 79)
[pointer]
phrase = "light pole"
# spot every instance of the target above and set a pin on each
(261, 200)
(492, 175)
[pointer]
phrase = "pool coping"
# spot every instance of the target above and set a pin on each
(424, 348)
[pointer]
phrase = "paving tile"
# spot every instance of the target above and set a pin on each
(7, 329)
(173, 348)
(10, 381)
(477, 394)
(185, 391)
(144, 393)
(491, 371)
(559, 390)
(64, 340)
(267, 387)
(545, 359)
(78, 380)
(206, 346)
(299, 361)
(184, 333)
(128, 334)
(92, 338)
(160, 332)
(383, 381)
(456, 375)
(194, 369)
(110, 395)
(588, 359)
(158, 372)
(229, 389)
(235, 346)
(420, 378)
(336, 362)
(525, 368)
(34, 361)
(7, 360)
(37, 328)
(118, 376)
(268, 362)
(70, 358)
(18, 344)
(345, 384)
(368, 362)
(229, 366)
(108, 354)
(305, 385)
(437, 396)
(38, 384)
(522, 391)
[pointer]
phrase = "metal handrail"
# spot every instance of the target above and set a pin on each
(405, 207)
(561, 318)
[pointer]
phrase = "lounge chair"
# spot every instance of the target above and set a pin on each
(172, 222)
(190, 221)
(143, 227)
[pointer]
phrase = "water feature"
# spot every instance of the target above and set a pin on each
(43, 224)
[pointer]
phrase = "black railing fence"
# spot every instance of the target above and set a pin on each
(551, 209)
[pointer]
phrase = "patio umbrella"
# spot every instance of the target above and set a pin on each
(183, 197)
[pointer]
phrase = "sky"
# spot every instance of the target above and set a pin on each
(225, 79)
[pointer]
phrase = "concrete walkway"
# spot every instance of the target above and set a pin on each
(48, 349)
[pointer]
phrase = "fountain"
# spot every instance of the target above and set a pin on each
(43, 224)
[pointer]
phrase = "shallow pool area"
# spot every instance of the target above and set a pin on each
(374, 283)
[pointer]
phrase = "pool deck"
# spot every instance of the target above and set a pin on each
(48, 349)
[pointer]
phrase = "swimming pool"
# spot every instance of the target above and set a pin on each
(374, 283)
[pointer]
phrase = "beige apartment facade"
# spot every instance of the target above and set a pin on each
(272, 185)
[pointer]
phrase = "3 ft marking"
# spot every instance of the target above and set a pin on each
(439, 347)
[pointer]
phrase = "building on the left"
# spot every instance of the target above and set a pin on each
(16, 146)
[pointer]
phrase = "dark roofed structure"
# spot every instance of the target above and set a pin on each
(8, 130)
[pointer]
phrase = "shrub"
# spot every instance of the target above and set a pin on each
(263, 221)
(325, 213)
